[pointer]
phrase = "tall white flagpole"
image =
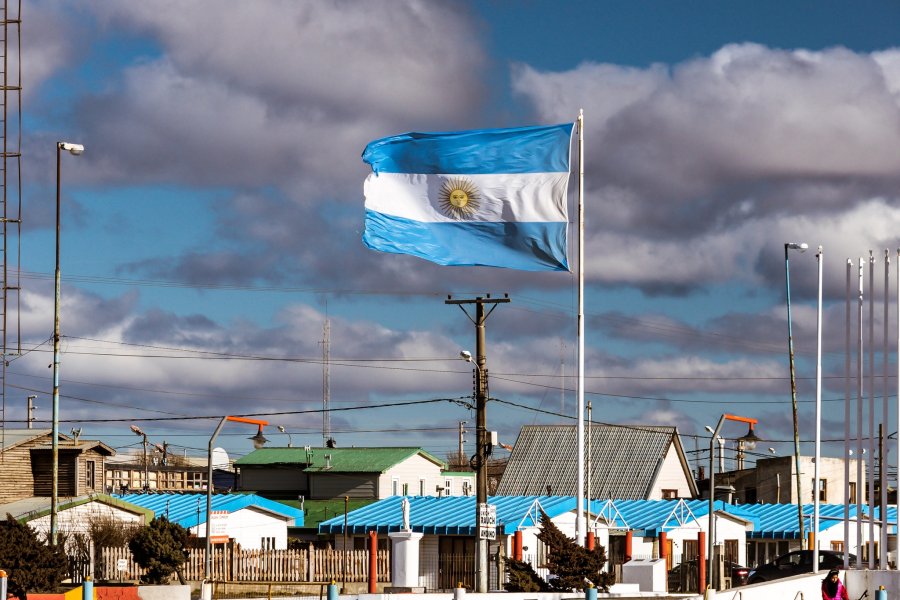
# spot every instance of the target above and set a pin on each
(579, 509)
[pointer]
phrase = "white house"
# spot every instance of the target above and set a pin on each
(254, 522)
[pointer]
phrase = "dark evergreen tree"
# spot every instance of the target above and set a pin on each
(522, 578)
(160, 547)
(571, 566)
(30, 563)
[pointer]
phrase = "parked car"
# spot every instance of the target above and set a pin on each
(683, 577)
(797, 562)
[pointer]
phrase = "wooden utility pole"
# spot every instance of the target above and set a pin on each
(482, 440)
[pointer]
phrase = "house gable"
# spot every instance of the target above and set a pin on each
(626, 462)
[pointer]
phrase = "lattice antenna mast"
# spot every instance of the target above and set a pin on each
(326, 383)
(11, 183)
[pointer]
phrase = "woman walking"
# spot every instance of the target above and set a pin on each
(833, 588)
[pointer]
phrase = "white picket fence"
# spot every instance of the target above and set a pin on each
(229, 563)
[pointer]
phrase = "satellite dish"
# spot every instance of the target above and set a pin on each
(220, 458)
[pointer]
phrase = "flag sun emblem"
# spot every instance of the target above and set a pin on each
(458, 197)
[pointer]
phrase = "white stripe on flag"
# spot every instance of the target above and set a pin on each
(528, 197)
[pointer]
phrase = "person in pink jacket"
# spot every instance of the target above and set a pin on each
(833, 588)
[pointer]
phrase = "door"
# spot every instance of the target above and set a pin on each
(456, 562)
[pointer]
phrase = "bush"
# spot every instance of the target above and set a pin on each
(160, 548)
(30, 564)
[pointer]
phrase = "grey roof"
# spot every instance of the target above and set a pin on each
(9, 438)
(625, 460)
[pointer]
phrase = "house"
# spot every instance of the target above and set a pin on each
(446, 551)
(168, 473)
(76, 515)
(324, 473)
(254, 522)
(26, 464)
(778, 529)
(773, 481)
(625, 462)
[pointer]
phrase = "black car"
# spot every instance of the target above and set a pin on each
(798, 562)
(683, 577)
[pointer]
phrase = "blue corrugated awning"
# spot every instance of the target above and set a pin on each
(447, 515)
(189, 510)
(455, 515)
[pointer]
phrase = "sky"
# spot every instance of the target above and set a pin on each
(213, 225)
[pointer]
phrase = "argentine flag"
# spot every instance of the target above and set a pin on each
(490, 197)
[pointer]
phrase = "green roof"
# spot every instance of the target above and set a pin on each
(340, 460)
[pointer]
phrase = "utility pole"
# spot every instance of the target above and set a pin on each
(462, 439)
(482, 440)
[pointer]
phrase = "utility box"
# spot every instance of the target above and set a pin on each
(649, 573)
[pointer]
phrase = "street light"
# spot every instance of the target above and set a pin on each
(258, 441)
(137, 431)
(749, 441)
(721, 448)
(290, 441)
(74, 149)
(801, 246)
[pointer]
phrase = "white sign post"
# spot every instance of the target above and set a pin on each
(487, 522)
(121, 567)
(218, 527)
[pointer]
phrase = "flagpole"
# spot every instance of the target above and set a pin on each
(580, 520)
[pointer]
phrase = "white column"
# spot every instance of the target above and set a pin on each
(405, 558)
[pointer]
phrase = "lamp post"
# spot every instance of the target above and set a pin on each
(74, 149)
(816, 498)
(787, 279)
(137, 431)
(290, 440)
(258, 441)
(749, 441)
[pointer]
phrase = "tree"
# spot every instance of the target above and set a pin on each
(160, 547)
(31, 564)
(522, 578)
(572, 567)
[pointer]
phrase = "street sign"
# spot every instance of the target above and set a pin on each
(122, 564)
(487, 522)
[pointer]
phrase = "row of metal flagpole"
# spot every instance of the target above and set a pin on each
(859, 451)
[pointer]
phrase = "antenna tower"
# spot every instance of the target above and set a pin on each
(326, 383)
(10, 187)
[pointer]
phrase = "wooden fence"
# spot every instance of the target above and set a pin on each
(230, 563)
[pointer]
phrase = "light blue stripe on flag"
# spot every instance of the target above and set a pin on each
(514, 245)
(491, 197)
(541, 149)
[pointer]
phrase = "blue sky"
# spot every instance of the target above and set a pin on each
(213, 223)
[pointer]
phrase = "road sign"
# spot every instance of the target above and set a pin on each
(122, 564)
(487, 522)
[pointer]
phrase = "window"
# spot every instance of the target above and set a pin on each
(267, 543)
(669, 494)
(395, 487)
(823, 490)
(196, 480)
(90, 475)
(421, 487)
(406, 489)
(853, 492)
(448, 487)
